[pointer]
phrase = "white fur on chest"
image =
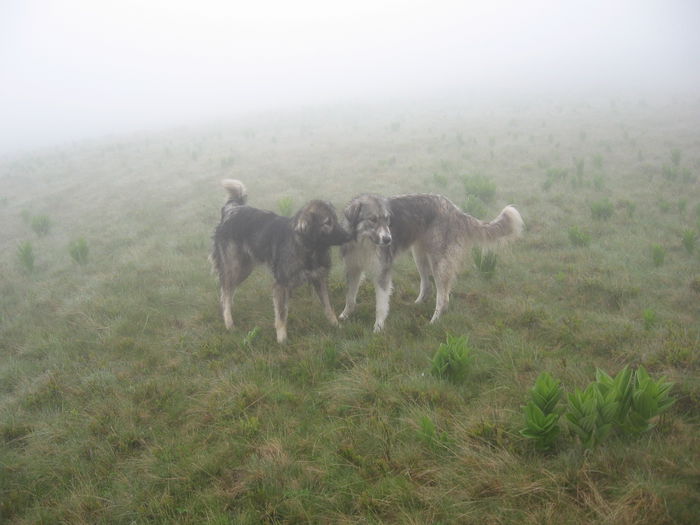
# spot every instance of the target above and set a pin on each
(364, 254)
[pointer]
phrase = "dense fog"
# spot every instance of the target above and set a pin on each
(75, 69)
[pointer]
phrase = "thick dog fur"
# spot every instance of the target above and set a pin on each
(297, 250)
(438, 233)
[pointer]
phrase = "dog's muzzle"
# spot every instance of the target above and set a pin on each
(385, 240)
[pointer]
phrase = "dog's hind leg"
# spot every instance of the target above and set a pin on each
(423, 265)
(280, 298)
(237, 269)
(354, 278)
(444, 277)
(382, 290)
(321, 287)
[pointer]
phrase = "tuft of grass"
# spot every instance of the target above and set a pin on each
(79, 251)
(485, 261)
(690, 239)
(440, 180)
(41, 224)
(430, 435)
(285, 205)
(480, 186)
(579, 237)
(25, 255)
(649, 317)
(602, 209)
(658, 255)
(452, 361)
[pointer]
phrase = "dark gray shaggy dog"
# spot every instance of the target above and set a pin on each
(297, 251)
(437, 232)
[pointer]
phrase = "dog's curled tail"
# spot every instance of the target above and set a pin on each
(236, 191)
(506, 227)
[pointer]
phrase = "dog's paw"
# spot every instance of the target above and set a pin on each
(344, 316)
(378, 328)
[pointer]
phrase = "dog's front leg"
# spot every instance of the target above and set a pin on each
(382, 290)
(321, 287)
(280, 298)
(354, 278)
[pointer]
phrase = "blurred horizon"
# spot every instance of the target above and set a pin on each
(76, 70)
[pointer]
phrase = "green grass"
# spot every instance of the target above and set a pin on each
(123, 399)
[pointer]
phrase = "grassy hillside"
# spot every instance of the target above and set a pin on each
(124, 400)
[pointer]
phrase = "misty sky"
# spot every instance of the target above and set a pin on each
(72, 69)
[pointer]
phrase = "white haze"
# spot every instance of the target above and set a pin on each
(72, 69)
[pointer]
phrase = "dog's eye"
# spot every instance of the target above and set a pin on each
(373, 220)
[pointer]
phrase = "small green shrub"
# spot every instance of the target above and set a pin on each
(541, 416)
(251, 336)
(602, 209)
(286, 206)
(591, 414)
(690, 239)
(452, 360)
(430, 435)
(658, 255)
(41, 224)
(649, 317)
(669, 173)
(79, 251)
(25, 254)
(579, 237)
(629, 403)
(474, 206)
(482, 187)
(485, 261)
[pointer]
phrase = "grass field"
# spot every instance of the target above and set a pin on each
(124, 400)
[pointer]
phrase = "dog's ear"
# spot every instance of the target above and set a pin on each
(352, 212)
(301, 225)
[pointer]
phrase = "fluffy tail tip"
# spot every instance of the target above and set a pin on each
(236, 190)
(516, 221)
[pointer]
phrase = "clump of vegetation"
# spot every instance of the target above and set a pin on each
(25, 254)
(602, 209)
(485, 261)
(649, 317)
(452, 360)
(429, 434)
(658, 255)
(578, 237)
(41, 224)
(474, 206)
(79, 251)
(480, 186)
(541, 416)
(286, 206)
(690, 239)
(597, 161)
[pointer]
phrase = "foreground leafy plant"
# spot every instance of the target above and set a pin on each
(430, 435)
(591, 414)
(452, 359)
(541, 418)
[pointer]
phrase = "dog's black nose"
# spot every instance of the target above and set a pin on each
(385, 239)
